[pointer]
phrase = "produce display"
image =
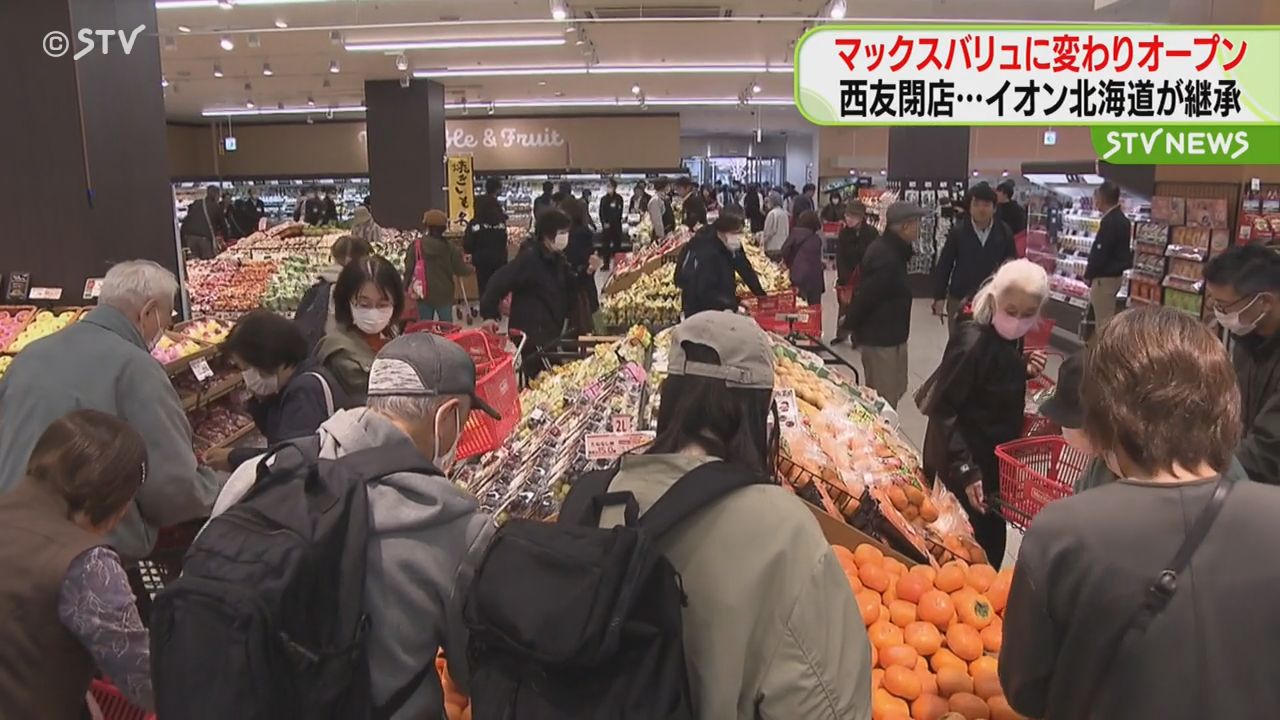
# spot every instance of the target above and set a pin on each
(935, 635)
(174, 347)
(5, 361)
(41, 324)
(219, 425)
(206, 330)
(226, 285)
(12, 322)
(294, 277)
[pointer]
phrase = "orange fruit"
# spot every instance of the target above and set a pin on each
(854, 583)
(844, 556)
(895, 567)
(877, 679)
(902, 613)
(899, 656)
(890, 593)
(936, 607)
(902, 682)
(867, 554)
(926, 571)
(873, 576)
(964, 641)
(986, 684)
(875, 659)
(928, 681)
(923, 636)
(897, 497)
(911, 586)
(869, 606)
(884, 704)
(975, 611)
(929, 707)
(986, 663)
(969, 705)
(998, 593)
(980, 577)
(953, 680)
(883, 634)
(992, 638)
(944, 658)
(1000, 709)
(951, 577)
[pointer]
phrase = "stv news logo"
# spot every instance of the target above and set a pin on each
(56, 43)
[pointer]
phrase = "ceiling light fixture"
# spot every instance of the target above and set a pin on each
(325, 84)
(675, 69)
(184, 29)
(492, 109)
(836, 9)
(402, 62)
(542, 83)
(494, 42)
(499, 72)
(280, 105)
(335, 38)
(635, 89)
(215, 112)
(334, 68)
(227, 43)
(281, 24)
(248, 87)
(226, 4)
(559, 10)
(755, 89)
(602, 70)
(217, 70)
(266, 69)
(164, 81)
(249, 104)
(253, 41)
(311, 102)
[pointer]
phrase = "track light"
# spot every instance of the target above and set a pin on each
(335, 37)
(184, 29)
(559, 10)
(217, 70)
(402, 62)
(280, 105)
(227, 43)
(253, 41)
(249, 103)
(404, 81)
(836, 9)
(311, 102)
(266, 70)
(333, 67)
(226, 4)
(164, 81)
(492, 109)
(755, 89)
(325, 84)
(281, 24)
(635, 89)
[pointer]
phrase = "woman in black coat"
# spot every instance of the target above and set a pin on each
(708, 267)
(975, 399)
(584, 297)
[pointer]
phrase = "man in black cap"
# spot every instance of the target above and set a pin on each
(425, 534)
(1064, 410)
(974, 250)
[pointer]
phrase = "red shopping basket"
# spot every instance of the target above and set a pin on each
(1034, 424)
(113, 704)
(1038, 338)
(434, 327)
(1033, 473)
(496, 385)
(778, 302)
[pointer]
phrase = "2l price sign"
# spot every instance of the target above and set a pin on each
(610, 446)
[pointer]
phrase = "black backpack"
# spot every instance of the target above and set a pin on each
(267, 620)
(313, 312)
(569, 620)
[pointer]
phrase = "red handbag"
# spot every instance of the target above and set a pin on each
(418, 290)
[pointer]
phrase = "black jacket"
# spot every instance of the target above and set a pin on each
(974, 402)
(879, 314)
(486, 243)
(754, 213)
(204, 219)
(541, 204)
(1013, 215)
(851, 246)
(538, 282)
(802, 204)
(966, 263)
(578, 257)
(1112, 251)
(639, 203)
(611, 207)
(296, 411)
(1257, 363)
(705, 273)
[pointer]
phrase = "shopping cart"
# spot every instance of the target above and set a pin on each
(434, 327)
(496, 384)
(112, 705)
(1033, 473)
(148, 576)
(1038, 338)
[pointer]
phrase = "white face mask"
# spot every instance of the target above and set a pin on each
(259, 384)
(371, 321)
(445, 461)
(561, 242)
(733, 242)
(155, 340)
(1232, 321)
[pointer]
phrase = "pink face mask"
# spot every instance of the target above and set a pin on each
(1010, 327)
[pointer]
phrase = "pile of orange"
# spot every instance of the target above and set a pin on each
(935, 636)
(456, 705)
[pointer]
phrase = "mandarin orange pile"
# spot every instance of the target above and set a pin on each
(935, 636)
(456, 705)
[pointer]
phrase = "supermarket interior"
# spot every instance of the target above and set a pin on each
(250, 148)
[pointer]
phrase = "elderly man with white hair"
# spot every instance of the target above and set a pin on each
(104, 363)
(777, 225)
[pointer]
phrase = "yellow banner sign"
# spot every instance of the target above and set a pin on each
(461, 188)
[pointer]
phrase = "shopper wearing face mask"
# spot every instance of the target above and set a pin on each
(1243, 290)
(976, 398)
(541, 285)
(102, 363)
(291, 392)
(425, 534)
(708, 268)
(368, 297)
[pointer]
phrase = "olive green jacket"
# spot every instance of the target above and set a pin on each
(348, 357)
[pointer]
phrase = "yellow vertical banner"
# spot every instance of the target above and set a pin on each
(461, 188)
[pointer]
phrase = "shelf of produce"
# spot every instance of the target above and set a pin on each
(176, 366)
(222, 389)
(232, 439)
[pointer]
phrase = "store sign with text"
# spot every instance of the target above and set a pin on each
(564, 142)
(1178, 94)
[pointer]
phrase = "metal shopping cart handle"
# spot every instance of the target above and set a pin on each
(519, 353)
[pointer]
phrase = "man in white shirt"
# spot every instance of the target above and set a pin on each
(777, 224)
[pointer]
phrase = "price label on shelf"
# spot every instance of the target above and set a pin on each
(622, 423)
(610, 446)
(636, 372)
(200, 368)
(92, 288)
(45, 293)
(788, 413)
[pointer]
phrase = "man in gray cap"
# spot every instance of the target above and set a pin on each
(425, 534)
(879, 317)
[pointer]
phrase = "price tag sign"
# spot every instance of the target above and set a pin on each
(636, 372)
(92, 288)
(592, 391)
(45, 293)
(537, 415)
(788, 412)
(200, 368)
(622, 424)
(610, 446)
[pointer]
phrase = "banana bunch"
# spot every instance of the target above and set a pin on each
(653, 299)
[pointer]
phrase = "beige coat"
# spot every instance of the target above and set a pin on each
(772, 630)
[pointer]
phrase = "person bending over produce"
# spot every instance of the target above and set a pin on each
(315, 315)
(708, 267)
(68, 606)
(366, 299)
(1132, 601)
(976, 398)
(103, 363)
(292, 392)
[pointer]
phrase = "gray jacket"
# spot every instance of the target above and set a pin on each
(102, 363)
(771, 630)
(425, 537)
